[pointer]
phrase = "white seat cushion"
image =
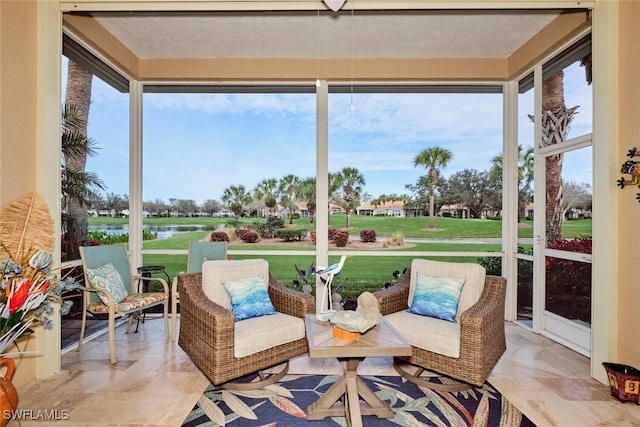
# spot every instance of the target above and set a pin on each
(260, 333)
(428, 333)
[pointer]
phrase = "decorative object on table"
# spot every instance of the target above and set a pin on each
(368, 307)
(326, 275)
(350, 324)
(624, 381)
(8, 392)
(336, 302)
(27, 283)
(283, 404)
(344, 334)
(631, 167)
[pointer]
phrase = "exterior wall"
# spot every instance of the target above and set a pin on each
(628, 208)
(18, 47)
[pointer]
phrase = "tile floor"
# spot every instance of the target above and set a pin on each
(155, 384)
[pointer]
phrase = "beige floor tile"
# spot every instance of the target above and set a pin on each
(155, 383)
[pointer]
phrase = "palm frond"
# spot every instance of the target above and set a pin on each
(26, 226)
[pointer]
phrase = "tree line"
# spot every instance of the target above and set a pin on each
(477, 191)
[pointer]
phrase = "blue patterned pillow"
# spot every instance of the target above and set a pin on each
(107, 278)
(249, 297)
(437, 297)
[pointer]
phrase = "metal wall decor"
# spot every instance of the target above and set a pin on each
(631, 167)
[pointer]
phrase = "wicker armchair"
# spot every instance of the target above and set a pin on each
(481, 331)
(211, 337)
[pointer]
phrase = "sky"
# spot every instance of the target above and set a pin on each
(196, 145)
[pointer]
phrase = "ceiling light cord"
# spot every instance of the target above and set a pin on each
(318, 47)
(351, 106)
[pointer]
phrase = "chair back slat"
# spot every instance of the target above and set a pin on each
(199, 251)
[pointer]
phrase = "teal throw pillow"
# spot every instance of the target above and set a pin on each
(107, 278)
(437, 297)
(249, 297)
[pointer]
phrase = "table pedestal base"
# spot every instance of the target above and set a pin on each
(352, 388)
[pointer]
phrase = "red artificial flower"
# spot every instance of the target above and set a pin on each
(19, 296)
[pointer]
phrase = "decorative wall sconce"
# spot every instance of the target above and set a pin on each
(631, 167)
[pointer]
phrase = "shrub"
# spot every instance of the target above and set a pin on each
(341, 238)
(579, 244)
(219, 236)
(104, 238)
(368, 236)
(240, 232)
(397, 239)
(565, 276)
(249, 236)
(234, 223)
(290, 234)
(332, 233)
(493, 265)
(269, 229)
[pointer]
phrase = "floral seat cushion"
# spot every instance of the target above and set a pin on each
(130, 303)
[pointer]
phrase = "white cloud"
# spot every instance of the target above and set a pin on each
(188, 155)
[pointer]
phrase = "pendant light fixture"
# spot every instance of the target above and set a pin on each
(334, 5)
(318, 47)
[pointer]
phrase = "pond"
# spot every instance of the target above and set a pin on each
(164, 231)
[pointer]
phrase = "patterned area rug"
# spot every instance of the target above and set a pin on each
(285, 404)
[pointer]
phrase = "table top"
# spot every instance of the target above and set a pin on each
(381, 341)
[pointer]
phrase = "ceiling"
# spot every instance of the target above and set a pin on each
(326, 34)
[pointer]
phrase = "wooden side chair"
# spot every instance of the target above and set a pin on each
(109, 289)
(199, 252)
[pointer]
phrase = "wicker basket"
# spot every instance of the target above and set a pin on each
(624, 381)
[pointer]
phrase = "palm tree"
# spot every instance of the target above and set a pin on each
(349, 182)
(289, 190)
(556, 119)
(525, 174)
(267, 191)
(75, 119)
(78, 186)
(308, 194)
(235, 198)
(432, 159)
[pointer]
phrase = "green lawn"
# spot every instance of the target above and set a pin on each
(387, 226)
(360, 272)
